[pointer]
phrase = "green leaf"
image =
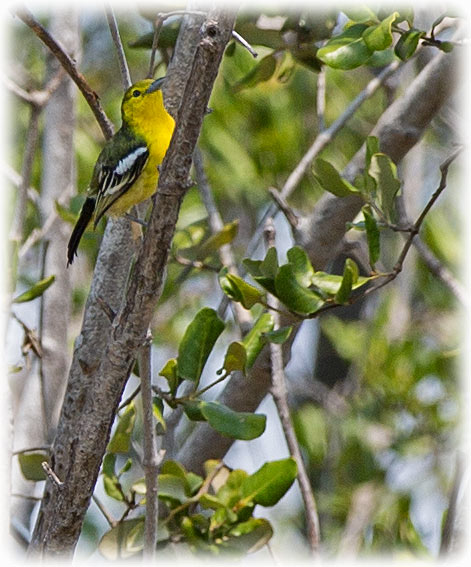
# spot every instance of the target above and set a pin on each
(372, 235)
(111, 482)
(296, 297)
(269, 265)
(197, 344)
(31, 465)
(121, 440)
(124, 540)
(279, 336)
(238, 289)
(384, 172)
(446, 46)
(211, 501)
(262, 71)
(331, 180)
(249, 536)
(350, 277)
(158, 411)
(35, 291)
(238, 425)
(347, 50)
(267, 485)
(192, 410)
(212, 244)
(235, 358)
(253, 340)
(302, 267)
(407, 43)
(172, 488)
(380, 37)
(360, 13)
(170, 373)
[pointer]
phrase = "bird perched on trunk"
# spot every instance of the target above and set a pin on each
(126, 171)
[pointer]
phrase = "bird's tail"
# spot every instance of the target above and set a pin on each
(85, 217)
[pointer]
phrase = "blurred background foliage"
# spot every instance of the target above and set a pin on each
(386, 429)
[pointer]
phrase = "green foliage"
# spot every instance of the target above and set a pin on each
(212, 514)
(197, 344)
(36, 290)
(262, 122)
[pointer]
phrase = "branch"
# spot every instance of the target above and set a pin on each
(216, 224)
(399, 128)
(123, 64)
(90, 406)
(151, 460)
(280, 397)
(69, 65)
(322, 140)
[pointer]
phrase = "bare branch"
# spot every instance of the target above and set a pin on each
(216, 224)
(280, 397)
(69, 65)
(151, 460)
(322, 140)
(123, 64)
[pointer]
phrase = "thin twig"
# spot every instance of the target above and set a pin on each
(158, 23)
(322, 140)
(103, 510)
(32, 138)
(280, 397)
(123, 64)
(449, 526)
(320, 100)
(128, 400)
(51, 474)
(216, 224)
(70, 66)
(150, 461)
(415, 228)
(245, 44)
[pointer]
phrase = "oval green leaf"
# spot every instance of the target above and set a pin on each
(270, 483)
(35, 291)
(238, 425)
(197, 344)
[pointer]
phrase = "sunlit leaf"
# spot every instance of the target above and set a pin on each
(270, 483)
(121, 439)
(407, 43)
(380, 37)
(35, 291)
(347, 50)
(330, 179)
(238, 289)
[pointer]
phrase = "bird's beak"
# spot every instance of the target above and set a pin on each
(156, 85)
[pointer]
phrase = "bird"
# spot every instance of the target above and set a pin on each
(127, 169)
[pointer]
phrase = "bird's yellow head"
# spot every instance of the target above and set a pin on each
(143, 103)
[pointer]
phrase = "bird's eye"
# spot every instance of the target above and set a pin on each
(136, 93)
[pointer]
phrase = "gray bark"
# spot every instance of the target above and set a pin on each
(98, 375)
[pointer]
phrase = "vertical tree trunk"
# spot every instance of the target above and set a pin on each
(58, 177)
